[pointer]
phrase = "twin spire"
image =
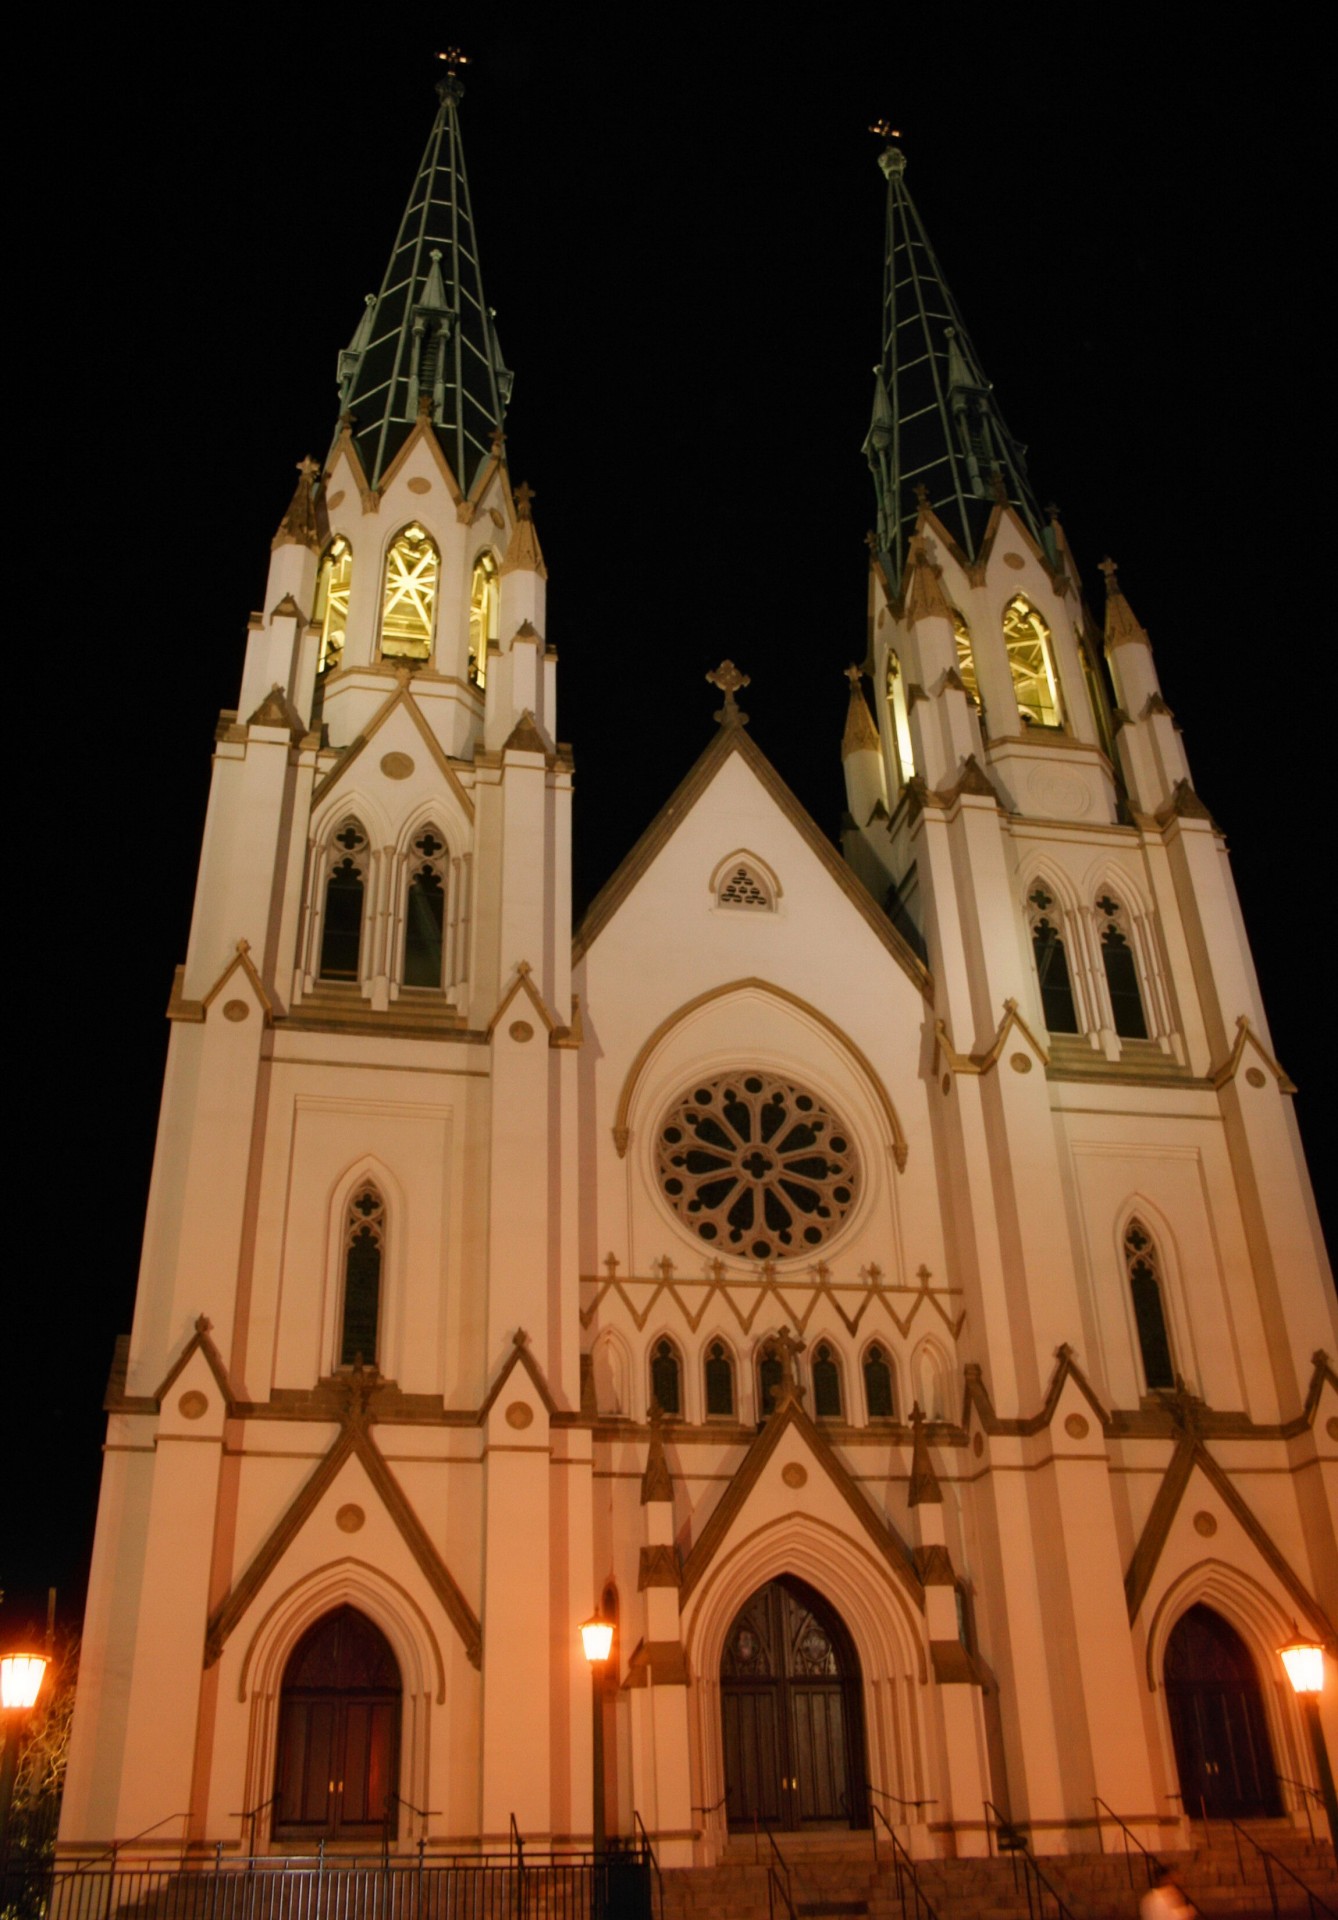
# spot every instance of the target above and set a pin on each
(426, 345)
(937, 437)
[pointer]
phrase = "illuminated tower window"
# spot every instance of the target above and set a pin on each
(482, 615)
(412, 568)
(966, 659)
(1141, 1265)
(901, 723)
(1126, 1002)
(332, 586)
(1034, 685)
(364, 1243)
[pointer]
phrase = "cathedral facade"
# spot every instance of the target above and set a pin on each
(882, 1283)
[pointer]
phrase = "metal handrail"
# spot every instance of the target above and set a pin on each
(1154, 1865)
(774, 1887)
(781, 1862)
(1019, 1849)
(714, 1807)
(883, 1794)
(1308, 1794)
(253, 1815)
(1271, 1860)
(639, 1826)
(902, 1865)
(116, 1845)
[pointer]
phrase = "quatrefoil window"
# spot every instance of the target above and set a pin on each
(756, 1165)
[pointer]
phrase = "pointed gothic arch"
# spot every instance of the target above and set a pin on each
(721, 1379)
(828, 1377)
(878, 1375)
(1031, 661)
(409, 592)
(431, 898)
(1139, 1210)
(666, 1376)
(484, 602)
(345, 889)
(931, 1371)
(611, 1370)
(367, 1172)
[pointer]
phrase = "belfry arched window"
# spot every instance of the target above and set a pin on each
(1143, 1271)
(666, 1378)
(719, 1375)
(900, 716)
(483, 599)
(1031, 659)
(364, 1248)
(345, 886)
(1117, 954)
(332, 590)
(409, 603)
(425, 911)
(878, 1398)
(826, 1383)
(966, 659)
(1052, 965)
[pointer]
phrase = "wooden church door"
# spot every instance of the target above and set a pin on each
(339, 1724)
(792, 1712)
(1222, 1749)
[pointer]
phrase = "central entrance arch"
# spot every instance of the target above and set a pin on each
(339, 1731)
(792, 1707)
(1222, 1750)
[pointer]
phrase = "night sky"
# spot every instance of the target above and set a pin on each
(681, 232)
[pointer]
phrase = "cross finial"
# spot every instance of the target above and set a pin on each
(1107, 566)
(450, 86)
(307, 467)
(524, 495)
(498, 442)
(854, 676)
(728, 678)
(922, 496)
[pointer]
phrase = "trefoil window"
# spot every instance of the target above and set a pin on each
(1126, 1002)
(1052, 967)
(425, 912)
(341, 927)
(1142, 1268)
(364, 1247)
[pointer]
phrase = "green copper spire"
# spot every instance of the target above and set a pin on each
(937, 435)
(427, 344)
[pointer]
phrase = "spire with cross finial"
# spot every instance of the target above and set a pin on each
(426, 345)
(861, 735)
(728, 678)
(298, 525)
(1122, 624)
(937, 436)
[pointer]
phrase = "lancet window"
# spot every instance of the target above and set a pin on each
(332, 590)
(770, 1376)
(1052, 965)
(878, 1399)
(901, 721)
(408, 605)
(1143, 1270)
(483, 601)
(1117, 956)
(425, 911)
(743, 886)
(364, 1249)
(1031, 659)
(966, 659)
(826, 1384)
(719, 1373)
(666, 1378)
(345, 887)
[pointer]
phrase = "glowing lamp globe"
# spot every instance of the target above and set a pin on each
(20, 1680)
(597, 1639)
(1304, 1661)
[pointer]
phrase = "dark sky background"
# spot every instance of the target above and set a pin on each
(681, 232)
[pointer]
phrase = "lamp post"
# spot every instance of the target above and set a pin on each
(597, 1640)
(21, 1677)
(1304, 1661)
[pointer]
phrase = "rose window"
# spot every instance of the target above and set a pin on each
(757, 1166)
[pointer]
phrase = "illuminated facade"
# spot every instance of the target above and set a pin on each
(886, 1284)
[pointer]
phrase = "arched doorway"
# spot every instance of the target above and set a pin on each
(1222, 1749)
(792, 1710)
(339, 1731)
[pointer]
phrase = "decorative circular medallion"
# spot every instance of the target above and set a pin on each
(947, 1085)
(978, 1444)
(756, 1165)
(335, 500)
(794, 1475)
(1255, 1076)
(519, 1415)
(1331, 1426)
(1013, 560)
(193, 1405)
(521, 1030)
(1059, 795)
(350, 1518)
(1206, 1524)
(235, 1010)
(396, 766)
(419, 485)
(1020, 1062)
(1076, 1427)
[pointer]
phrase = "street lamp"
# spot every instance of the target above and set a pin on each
(1304, 1661)
(21, 1677)
(597, 1643)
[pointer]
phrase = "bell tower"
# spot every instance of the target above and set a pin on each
(372, 1036)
